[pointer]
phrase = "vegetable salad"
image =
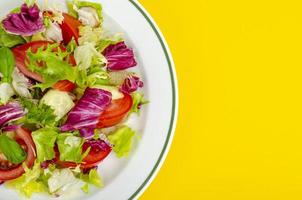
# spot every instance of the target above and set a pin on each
(66, 90)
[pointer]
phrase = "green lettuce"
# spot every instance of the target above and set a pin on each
(70, 147)
(12, 150)
(80, 4)
(45, 139)
(122, 140)
(90, 35)
(9, 40)
(29, 183)
(92, 178)
(7, 64)
(138, 101)
(55, 67)
(86, 56)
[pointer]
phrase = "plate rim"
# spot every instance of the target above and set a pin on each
(174, 113)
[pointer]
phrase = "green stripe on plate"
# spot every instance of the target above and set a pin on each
(173, 100)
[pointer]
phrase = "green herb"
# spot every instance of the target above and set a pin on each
(45, 139)
(42, 115)
(7, 63)
(12, 150)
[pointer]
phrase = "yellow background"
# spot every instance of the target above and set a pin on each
(239, 65)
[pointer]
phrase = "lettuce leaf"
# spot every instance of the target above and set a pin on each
(70, 147)
(138, 101)
(29, 182)
(92, 178)
(122, 140)
(80, 4)
(45, 139)
(55, 67)
(12, 150)
(7, 64)
(86, 56)
(9, 40)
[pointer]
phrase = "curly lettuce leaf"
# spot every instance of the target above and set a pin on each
(55, 67)
(45, 139)
(29, 182)
(122, 140)
(90, 35)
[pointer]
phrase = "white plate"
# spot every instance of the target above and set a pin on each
(128, 178)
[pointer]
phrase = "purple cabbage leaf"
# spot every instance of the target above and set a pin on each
(119, 57)
(85, 115)
(27, 22)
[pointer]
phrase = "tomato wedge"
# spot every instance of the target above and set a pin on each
(94, 157)
(116, 112)
(70, 28)
(23, 137)
(20, 57)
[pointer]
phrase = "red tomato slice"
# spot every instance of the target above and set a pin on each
(20, 57)
(64, 85)
(70, 28)
(116, 112)
(22, 137)
(94, 157)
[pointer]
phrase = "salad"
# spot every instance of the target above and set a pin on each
(66, 91)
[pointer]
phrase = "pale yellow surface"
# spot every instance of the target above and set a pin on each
(239, 65)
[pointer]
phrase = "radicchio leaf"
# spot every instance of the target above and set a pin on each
(131, 84)
(10, 112)
(86, 113)
(119, 57)
(26, 23)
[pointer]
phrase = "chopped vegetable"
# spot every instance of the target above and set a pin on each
(27, 22)
(70, 147)
(9, 40)
(59, 101)
(122, 141)
(119, 57)
(88, 109)
(55, 67)
(87, 56)
(45, 139)
(131, 84)
(138, 101)
(42, 115)
(7, 62)
(10, 112)
(11, 150)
